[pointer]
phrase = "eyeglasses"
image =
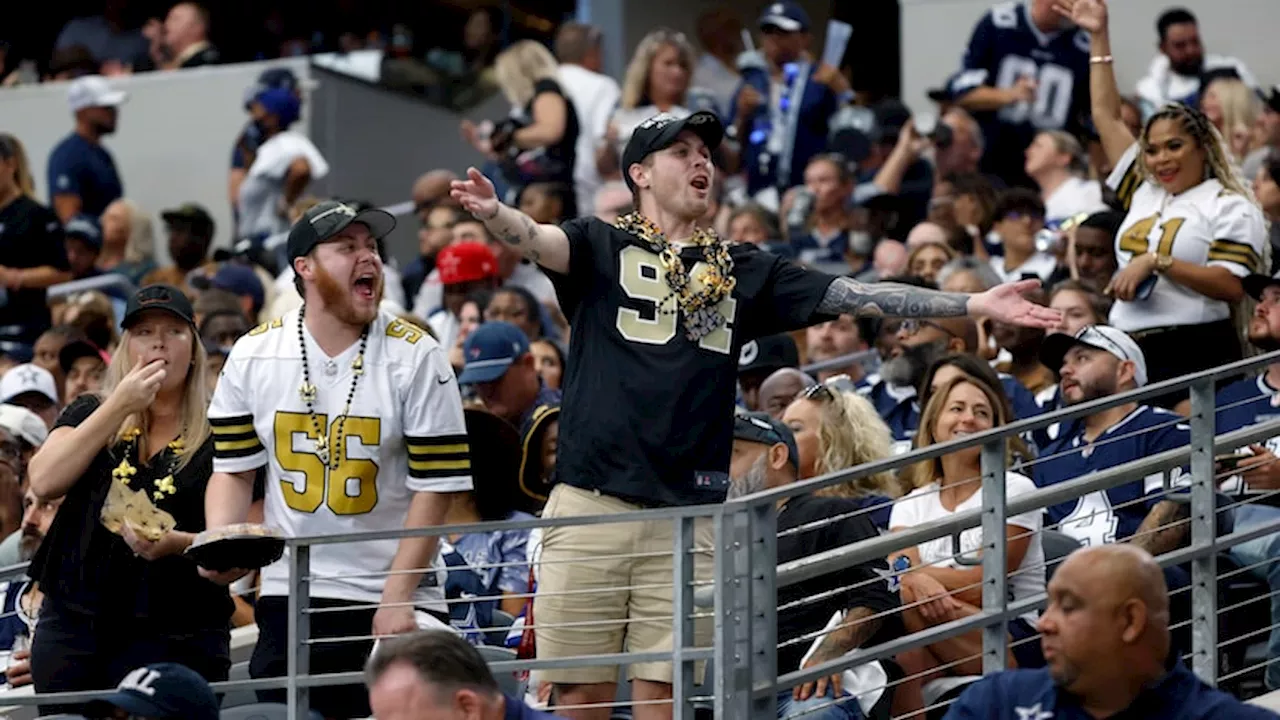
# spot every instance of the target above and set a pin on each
(912, 326)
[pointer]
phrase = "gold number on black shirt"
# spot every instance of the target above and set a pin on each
(641, 277)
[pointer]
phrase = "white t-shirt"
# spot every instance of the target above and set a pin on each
(1073, 197)
(924, 506)
(1207, 225)
(404, 434)
(263, 185)
(594, 97)
(1039, 264)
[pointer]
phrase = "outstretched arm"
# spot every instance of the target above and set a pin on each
(1003, 302)
(546, 245)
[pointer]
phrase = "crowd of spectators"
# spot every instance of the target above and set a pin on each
(1151, 226)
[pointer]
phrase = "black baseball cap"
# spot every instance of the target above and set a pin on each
(1256, 283)
(760, 427)
(158, 297)
(76, 349)
(769, 353)
(192, 216)
(165, 691)
(331, 217)
(660, 132)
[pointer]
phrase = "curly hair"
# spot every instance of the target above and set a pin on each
(1217, 156)
(851, 433)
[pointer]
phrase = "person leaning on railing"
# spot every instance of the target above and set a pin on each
(114, 602)
(1193, 229)
(936, 588)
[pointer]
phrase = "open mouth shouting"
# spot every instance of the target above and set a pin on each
(701, 183)
(366, 285)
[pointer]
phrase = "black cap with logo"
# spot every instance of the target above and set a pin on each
(331, 217)
(158, 297)
(660, 132)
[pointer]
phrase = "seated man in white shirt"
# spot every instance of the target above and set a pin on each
(1174, 74)
(1019, 216)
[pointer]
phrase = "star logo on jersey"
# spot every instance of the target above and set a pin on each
(892, 579)
(1033, 713)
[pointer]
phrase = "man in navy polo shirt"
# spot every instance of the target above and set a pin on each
(1246, 402)
(82, 174)
(1106, 642)
(783, 108)
(504, 373)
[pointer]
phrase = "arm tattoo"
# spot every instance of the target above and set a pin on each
(856, 628)
(515, 229)
(846, 296)
(1164, 528)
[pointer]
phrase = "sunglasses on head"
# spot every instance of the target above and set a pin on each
(913, 326)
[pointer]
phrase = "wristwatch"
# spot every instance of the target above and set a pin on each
(1162, 263)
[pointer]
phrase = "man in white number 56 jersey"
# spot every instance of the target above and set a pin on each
(358, 419)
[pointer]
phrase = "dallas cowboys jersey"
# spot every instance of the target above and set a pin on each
(1243, 403)
(1206, 225)
(1005, 47)
(1115, 514)
(404, 433)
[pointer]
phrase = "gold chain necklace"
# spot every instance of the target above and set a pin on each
(701, 316)
(125, 471)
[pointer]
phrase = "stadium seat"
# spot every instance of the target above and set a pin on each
(510, 684)
(262, 711)
(1057, 546)
(238, 698)
(502, 622)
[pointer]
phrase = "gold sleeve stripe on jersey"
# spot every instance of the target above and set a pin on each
(234, 437)
(1232, 251)
(442, 456)
(1129, 185)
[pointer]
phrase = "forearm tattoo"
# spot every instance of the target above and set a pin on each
(846, 296)
(515, 229)
(856, 628)
(1164, 529)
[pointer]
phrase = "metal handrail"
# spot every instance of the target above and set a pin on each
(97, 282)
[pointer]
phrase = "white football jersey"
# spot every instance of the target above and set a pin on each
(1207, 225)
(404, 434)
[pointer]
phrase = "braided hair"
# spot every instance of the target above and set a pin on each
(1197, 125)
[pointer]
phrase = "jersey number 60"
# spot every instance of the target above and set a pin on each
(351, 488)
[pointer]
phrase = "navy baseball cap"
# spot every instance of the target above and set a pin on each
(164, 691)
(84, 228)
(331, 217)
(786, 16)
(237, 279)
(661, 131)
(759, 427)
(489, 351)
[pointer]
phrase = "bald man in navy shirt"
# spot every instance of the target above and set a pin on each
(1106, 642)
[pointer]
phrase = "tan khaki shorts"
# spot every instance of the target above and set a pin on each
(583, 579)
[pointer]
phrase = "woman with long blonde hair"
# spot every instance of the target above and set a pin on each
(935, 588)
(32, 256)
(537, 143)
(835, 431)
(128, 241)
(657, 81)
(131, 466)
(1233, 108)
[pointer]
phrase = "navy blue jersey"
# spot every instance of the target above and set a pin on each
(1006, 46)
(648, 413)
(13, 620)
(1105, 517)
(1243, 403)
(1033, 695)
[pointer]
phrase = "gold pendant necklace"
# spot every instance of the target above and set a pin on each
(307, 391)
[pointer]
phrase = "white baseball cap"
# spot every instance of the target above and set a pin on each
(93, 91)
(27, 378)
(1103, 337)
(23, 424)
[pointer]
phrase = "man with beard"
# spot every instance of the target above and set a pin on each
(357, 418)
(1255, 473)
(765, 457)
(1176, 74)
(82, 174)
(22, 598)
(1107, 645)
(1096, 362)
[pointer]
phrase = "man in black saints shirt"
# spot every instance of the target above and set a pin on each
(765, 457)
(659, 310)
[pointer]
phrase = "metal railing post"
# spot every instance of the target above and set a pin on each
(298, 696)
(1204, 515)
(733, 607)
(762, 559)
(995, 596)
(682, 626)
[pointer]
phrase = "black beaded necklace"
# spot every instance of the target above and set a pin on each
(308, 393)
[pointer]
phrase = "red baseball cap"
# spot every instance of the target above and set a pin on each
(466, 262)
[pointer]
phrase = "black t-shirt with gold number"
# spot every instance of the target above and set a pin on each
(648, 414)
